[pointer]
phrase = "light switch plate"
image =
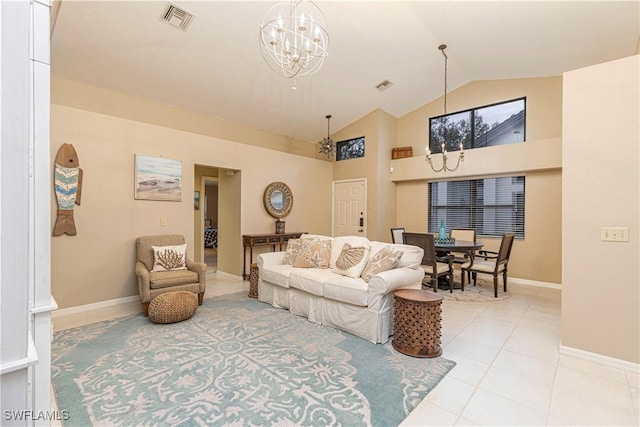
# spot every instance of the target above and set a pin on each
(614, 234)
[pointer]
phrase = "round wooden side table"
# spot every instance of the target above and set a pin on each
(416, 322)
(253, 281)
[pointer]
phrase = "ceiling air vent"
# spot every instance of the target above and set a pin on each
(177, 17)
(386, 84)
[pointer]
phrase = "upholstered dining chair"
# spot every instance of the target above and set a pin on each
(152, 283)
(489, 262)
(468, 234)
(432, 265)
(396, 234)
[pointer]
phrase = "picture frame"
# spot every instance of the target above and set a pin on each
(196, 200)
(157, 178)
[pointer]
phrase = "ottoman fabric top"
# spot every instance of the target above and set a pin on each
(172, 307)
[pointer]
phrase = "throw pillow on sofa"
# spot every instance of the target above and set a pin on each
(169, 257)
(340, 241)
(385, 259)
(292, 251)
(313, 253)
(352, 260)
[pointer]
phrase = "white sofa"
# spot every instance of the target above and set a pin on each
(341, 298)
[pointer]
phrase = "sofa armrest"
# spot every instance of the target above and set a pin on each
(270, 258)
(201, 269)
(144, 288)
(198, 267)
(398, 278)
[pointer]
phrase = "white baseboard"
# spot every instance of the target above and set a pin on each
(113, 302)
(95, 306)
(527, 282)
(601, 359)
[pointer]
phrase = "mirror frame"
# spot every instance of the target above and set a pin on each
(287, 199)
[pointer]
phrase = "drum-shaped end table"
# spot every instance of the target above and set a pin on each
(416, 322)
(253, 280)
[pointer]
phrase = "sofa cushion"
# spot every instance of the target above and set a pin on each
(164, 279)
(292, 251)
(277, 274)
(314, 253)
(352, 260)
(411, 256)
(338, 243)
(310, 279)
(346, 289)
(384, 259)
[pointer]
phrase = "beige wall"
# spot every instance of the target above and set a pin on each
(544, 108)
(601, 187)
(97, 264)
(81, 95)
(537, 257)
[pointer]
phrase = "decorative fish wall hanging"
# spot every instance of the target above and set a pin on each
(68, 187)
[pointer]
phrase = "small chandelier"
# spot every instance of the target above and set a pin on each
(445, 167)
(327, 146)
(294, 38)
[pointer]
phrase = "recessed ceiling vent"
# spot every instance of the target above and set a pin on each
(383, 85)
(177, 17)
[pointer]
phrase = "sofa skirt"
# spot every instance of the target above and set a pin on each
(360, 321)
(275, 295)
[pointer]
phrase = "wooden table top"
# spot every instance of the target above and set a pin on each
(417, 295)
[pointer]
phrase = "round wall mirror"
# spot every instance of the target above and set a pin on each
(278, 199)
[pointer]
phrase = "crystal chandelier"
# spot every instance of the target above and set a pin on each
(294, 38)
(327, 146)
(445, 167)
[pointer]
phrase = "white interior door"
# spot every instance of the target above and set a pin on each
(349, 208)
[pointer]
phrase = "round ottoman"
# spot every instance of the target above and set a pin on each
(171, 307)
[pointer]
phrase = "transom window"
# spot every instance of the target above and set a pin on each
(491, 206)
(490, 125)
(350, 149)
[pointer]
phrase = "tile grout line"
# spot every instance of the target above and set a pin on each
(528, 306)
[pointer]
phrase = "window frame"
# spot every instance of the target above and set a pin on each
(470, 140)
(348, 143)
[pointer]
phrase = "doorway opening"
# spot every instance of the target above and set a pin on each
(216, 223)
(210, 215)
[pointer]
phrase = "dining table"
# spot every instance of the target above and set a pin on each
(465, 246)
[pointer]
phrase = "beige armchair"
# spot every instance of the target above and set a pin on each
(154, 283)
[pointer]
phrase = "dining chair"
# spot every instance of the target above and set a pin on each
(468, 234)
(489, 262)
(396, 234)
(433, 265)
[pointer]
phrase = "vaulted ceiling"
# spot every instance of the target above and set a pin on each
(216, 66)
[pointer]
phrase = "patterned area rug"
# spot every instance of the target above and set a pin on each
(237, 361)
(482, 292)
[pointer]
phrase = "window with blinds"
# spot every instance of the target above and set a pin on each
(491, 206)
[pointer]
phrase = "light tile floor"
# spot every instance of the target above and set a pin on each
(509, 370)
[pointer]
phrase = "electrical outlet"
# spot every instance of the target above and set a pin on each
(163, 222)
(614, 234)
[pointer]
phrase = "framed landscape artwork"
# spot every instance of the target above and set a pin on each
(157, 178)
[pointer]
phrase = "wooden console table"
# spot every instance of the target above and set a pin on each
(251, 240)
